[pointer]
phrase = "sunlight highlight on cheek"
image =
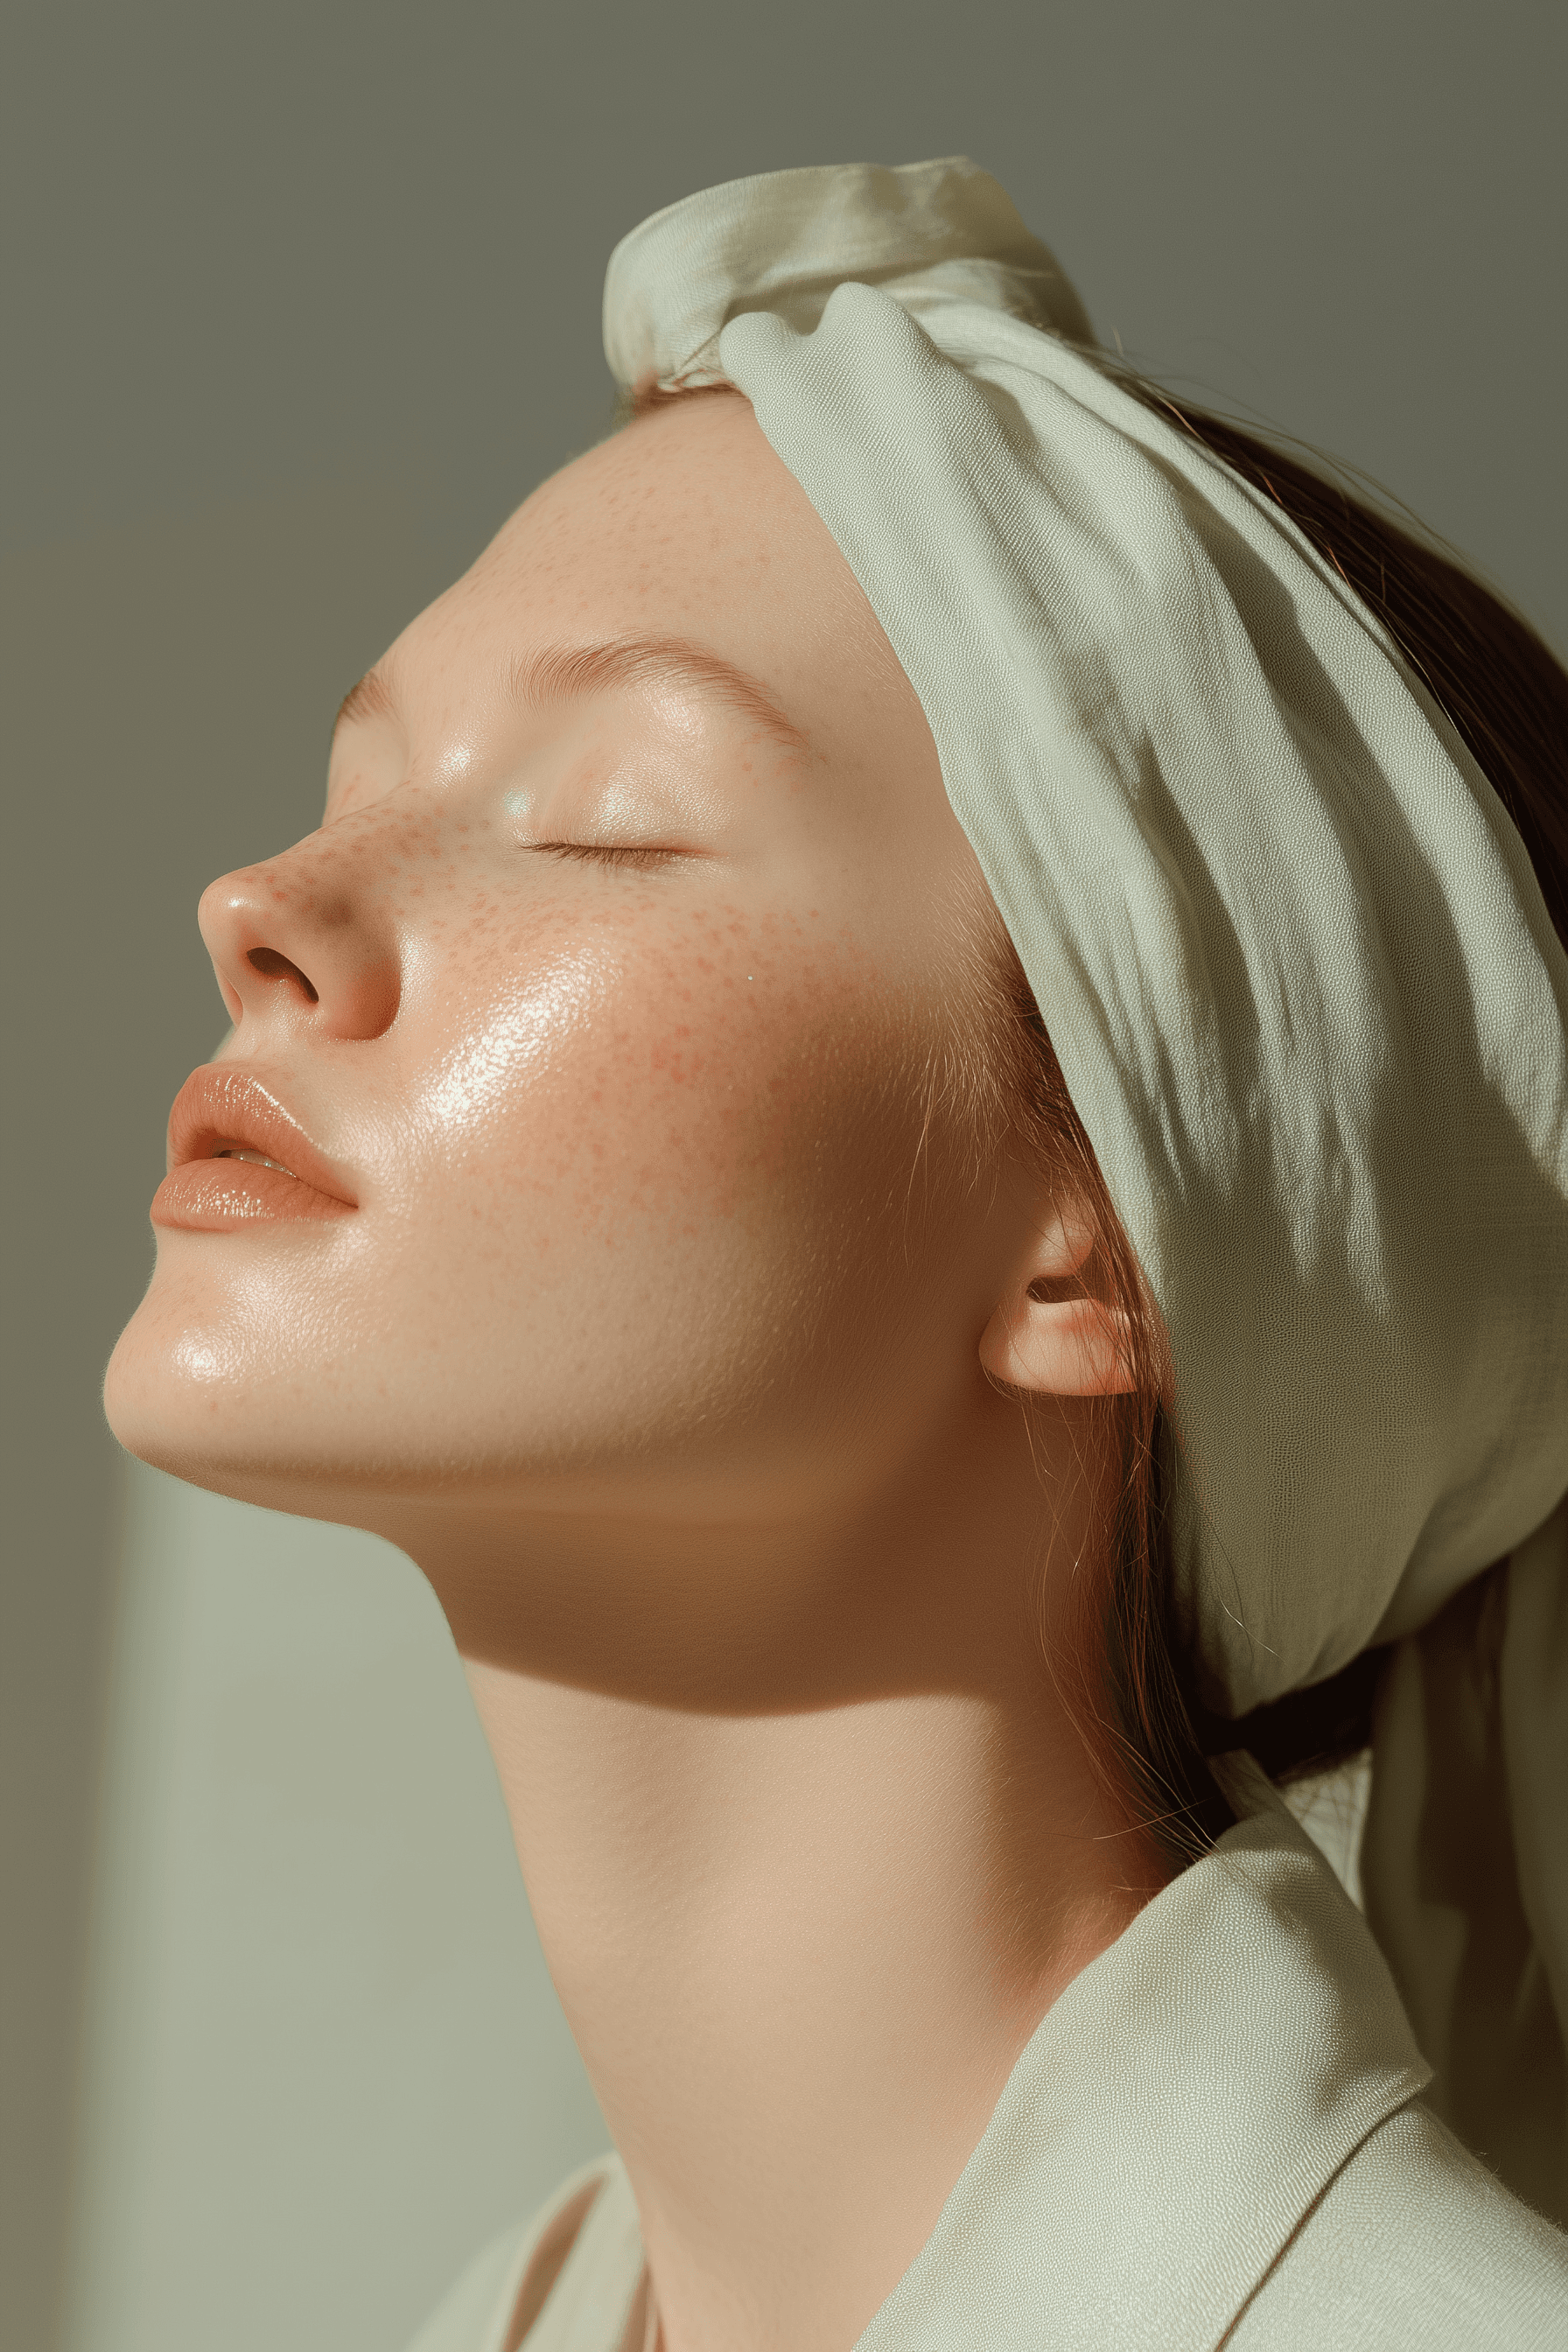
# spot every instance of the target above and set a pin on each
(638, 1073)
(475, 1081)
(654, 1073)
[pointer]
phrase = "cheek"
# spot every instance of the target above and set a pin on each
(647, 1075)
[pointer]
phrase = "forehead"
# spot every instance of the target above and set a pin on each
(689, 494)
(684, 524)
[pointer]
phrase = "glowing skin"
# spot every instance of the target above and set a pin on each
(615, 1257)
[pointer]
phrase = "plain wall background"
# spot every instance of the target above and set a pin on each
(298, 303)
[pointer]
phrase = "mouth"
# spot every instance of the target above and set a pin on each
(251, 1158)
(239, 1157)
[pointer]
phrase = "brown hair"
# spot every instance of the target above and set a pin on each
(1508, 698)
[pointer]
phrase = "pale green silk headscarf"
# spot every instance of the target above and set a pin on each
(1303, 988)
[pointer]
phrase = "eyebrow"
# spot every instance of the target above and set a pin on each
(371, 699)
(559, 674)
(563, 674)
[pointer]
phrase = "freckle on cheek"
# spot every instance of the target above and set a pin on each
(692, 1087)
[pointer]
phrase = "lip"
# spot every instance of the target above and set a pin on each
(221, 1110)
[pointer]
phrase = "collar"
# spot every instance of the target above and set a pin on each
(1178, 2111)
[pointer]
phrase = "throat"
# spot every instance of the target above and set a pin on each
(798, 1963)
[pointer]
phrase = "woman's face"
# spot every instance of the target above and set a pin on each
(590, 1034)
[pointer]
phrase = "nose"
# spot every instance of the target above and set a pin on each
(305, 940)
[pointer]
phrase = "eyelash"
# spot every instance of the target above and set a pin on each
(640, 861)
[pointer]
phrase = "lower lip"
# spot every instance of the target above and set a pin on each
(218, 1196)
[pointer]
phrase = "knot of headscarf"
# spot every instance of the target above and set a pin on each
(1304, 992)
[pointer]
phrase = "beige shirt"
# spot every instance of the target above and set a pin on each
(1215, 2136)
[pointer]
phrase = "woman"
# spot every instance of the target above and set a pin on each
(869, 1445)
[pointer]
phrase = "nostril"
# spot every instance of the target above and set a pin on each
(273, 966)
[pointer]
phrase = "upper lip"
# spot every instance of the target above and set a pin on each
(220, 1104)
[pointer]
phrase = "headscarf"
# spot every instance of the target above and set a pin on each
(1304, 992)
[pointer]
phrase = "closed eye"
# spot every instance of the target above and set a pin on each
(641, 859)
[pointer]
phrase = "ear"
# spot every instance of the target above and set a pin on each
(1047, 1334)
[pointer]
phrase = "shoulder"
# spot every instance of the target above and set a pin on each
(494, 2300)
(1413, 2242)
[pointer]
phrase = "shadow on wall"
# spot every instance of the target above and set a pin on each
(320, 2019)
(168, 692)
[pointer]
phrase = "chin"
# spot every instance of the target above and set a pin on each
(198, 1394)
(171, 1401)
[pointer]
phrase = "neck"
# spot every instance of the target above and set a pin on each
(812, 1845)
